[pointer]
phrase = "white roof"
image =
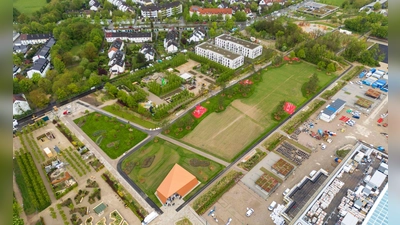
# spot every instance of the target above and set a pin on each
(47, 150)
(186, 76)
(377, 179)
(349, 219)
(359, 156)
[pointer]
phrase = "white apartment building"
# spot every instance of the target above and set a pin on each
(40, 66)
(238, 46)
(219, 55)
(33, 39)
(128, 36)
(165, 10)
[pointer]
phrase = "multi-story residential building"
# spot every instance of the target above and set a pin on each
(163, 11)
(225, 12)
(40, 66)
(121, 5)
(238, 46)
(44, 51)
(117, 63)
(33, 39)
(139, 37)
(148, 51)
(198, 34)
(171, 41)
(117, 45)
(219, 55)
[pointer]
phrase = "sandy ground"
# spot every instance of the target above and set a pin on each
(187, 66)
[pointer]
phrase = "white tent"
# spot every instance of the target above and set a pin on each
(377, 179)
(349, 219)
(48, 152)
(186, 76)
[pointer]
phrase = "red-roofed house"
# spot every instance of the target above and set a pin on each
(226, 12)
(178, 181)
(20, 105)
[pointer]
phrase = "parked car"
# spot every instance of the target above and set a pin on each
(286, 192)
(323, 146)
(249, 212)
(272, 206)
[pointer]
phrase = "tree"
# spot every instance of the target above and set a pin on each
(321, 65)
(38, 98)
(253, 7)
(301, 54)
(90, 51)
(26, 85)
(229, 24)
(377, 6)
(45, 84)
(292, 54)
(212, 32)
(58, 65)
(330, 68)
(17, 60)
(36, 77)
(240, 16)
(312, 85)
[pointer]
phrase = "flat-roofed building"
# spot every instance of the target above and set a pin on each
(219, 55)
(238, 46)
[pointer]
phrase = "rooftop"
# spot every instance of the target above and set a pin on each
(244, 43)
(128, 34)
(201, 10)
(221, 51)
(160, 7)
(40, 64)
(18, 97)
(379, 214)
(352, 191)
(99, 208)
(34, 36)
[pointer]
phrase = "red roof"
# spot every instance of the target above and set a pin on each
(210, 10)
(18, 97)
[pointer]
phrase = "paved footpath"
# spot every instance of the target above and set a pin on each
(208, 156)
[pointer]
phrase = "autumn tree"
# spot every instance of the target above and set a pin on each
(312, 85)
(38, 98)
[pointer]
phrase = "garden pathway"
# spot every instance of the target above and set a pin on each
(208, 156)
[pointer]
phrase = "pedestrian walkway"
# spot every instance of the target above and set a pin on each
(213, 158)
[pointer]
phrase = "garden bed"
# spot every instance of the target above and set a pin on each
(267, 182)
(250, 163)
(97, 165)
(81, 194)
(81, 210)
(96, 194)
(283, 167)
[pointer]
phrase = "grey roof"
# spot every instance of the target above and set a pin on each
(100, 208)
(328, 112)
(116, 44)
(117, 58)
(147, 49)
(244, 43)
(44, 51)
(221, 51)
(172, 42)
(21, 48)
(15, 68)
(159, 7)
(40, 64)
(34, 36)
(338, 103)
(128, 34)
(172, 35)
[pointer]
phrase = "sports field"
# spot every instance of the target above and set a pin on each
(149, 165)
(112, 136)
(28, 6)
(227, 133)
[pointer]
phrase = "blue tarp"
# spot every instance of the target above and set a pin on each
(362, 74)
(57, 149)
(381, 81)
(332, 109)
(374, 85)
(366, 82)
(373, 70)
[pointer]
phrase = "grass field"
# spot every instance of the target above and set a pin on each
(129, 115)
(332, 2)
(113, 137)
(225, 134)
(28, 6)
(166, 155)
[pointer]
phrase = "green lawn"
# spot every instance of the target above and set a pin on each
(129, 115)
(332, 2)
(28, 6)
(166, 155)
(113, 137)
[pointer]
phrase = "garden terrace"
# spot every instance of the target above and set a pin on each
(292, 153)
(365, 103)
(253, 160)
(317, 9)
(267, 183)
(97, 165)
(113, 137)
(283, 167)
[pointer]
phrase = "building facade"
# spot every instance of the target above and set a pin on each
(163, 11)
(139, 37)
(225, 12)
(40, 66)
(148, 51)
(238, 46)
(44, 51)
(32, 39)
(219, 55)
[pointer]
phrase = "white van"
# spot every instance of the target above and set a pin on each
(149, 218)
(313, 173)
(272, 206)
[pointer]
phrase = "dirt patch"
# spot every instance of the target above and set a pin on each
(148, 161)
(91, 99)
(187, 66)
(199, 163)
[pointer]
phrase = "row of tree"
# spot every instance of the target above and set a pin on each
(375, 22)
(37, 191)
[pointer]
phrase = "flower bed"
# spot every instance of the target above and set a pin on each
(102, 221)
(116, 217)
(250, 163)
(267, 182)
(89, 221)
(283, 167)
(81, 194)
